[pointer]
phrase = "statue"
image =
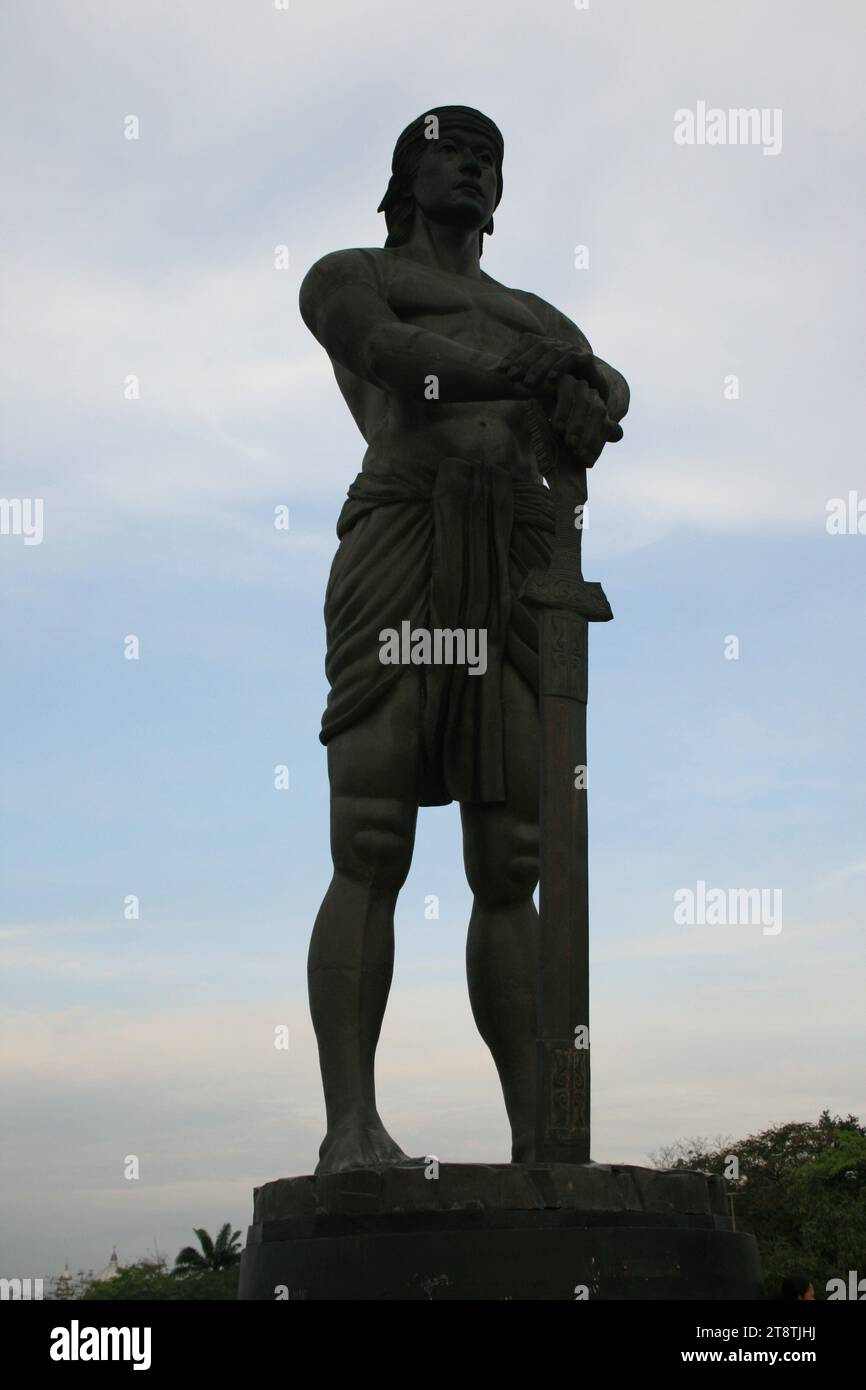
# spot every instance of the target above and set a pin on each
(457, 618)
(467, 392)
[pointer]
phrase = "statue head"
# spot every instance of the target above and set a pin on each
(448, 164)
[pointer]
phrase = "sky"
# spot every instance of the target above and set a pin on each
(724, 281)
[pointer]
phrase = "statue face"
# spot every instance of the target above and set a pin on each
(457, 180)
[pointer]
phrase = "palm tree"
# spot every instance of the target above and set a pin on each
(221, 1254)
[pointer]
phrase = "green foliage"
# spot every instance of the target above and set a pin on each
(803, 1198)
(147, 1280)
(208, 1273)
(223, 1253)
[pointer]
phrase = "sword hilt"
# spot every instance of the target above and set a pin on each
(563, 584)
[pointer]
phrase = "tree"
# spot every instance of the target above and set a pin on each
(150, 1279)
(222, 1254)
(804, 1198)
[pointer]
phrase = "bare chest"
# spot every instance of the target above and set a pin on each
(485, 316)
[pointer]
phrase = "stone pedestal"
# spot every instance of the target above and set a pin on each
(498, 1231)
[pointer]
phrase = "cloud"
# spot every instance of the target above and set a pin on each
(156, 258)
(166, 269)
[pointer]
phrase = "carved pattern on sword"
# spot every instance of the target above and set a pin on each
(568, 1111)
(565, 672)
(541, 435)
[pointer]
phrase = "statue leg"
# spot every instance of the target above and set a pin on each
(500, 848)
(372, 770)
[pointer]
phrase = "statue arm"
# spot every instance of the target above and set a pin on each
(344, 306)
(590, 397)
(565, 350)
(618, 395)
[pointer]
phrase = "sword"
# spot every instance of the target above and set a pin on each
(566, 604)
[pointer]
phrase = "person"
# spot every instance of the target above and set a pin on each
(441, 367)
(796, 1288)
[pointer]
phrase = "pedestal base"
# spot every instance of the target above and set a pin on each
(499, 1231)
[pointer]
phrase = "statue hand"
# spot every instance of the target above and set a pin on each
(580, 417)
(541, 362)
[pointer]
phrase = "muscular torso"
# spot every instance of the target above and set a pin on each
(477, 312)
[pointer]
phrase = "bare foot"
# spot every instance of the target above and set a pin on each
(360, 1145)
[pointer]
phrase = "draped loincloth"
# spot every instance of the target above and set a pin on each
(443, 545)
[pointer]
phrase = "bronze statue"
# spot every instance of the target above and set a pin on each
(447, 374)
